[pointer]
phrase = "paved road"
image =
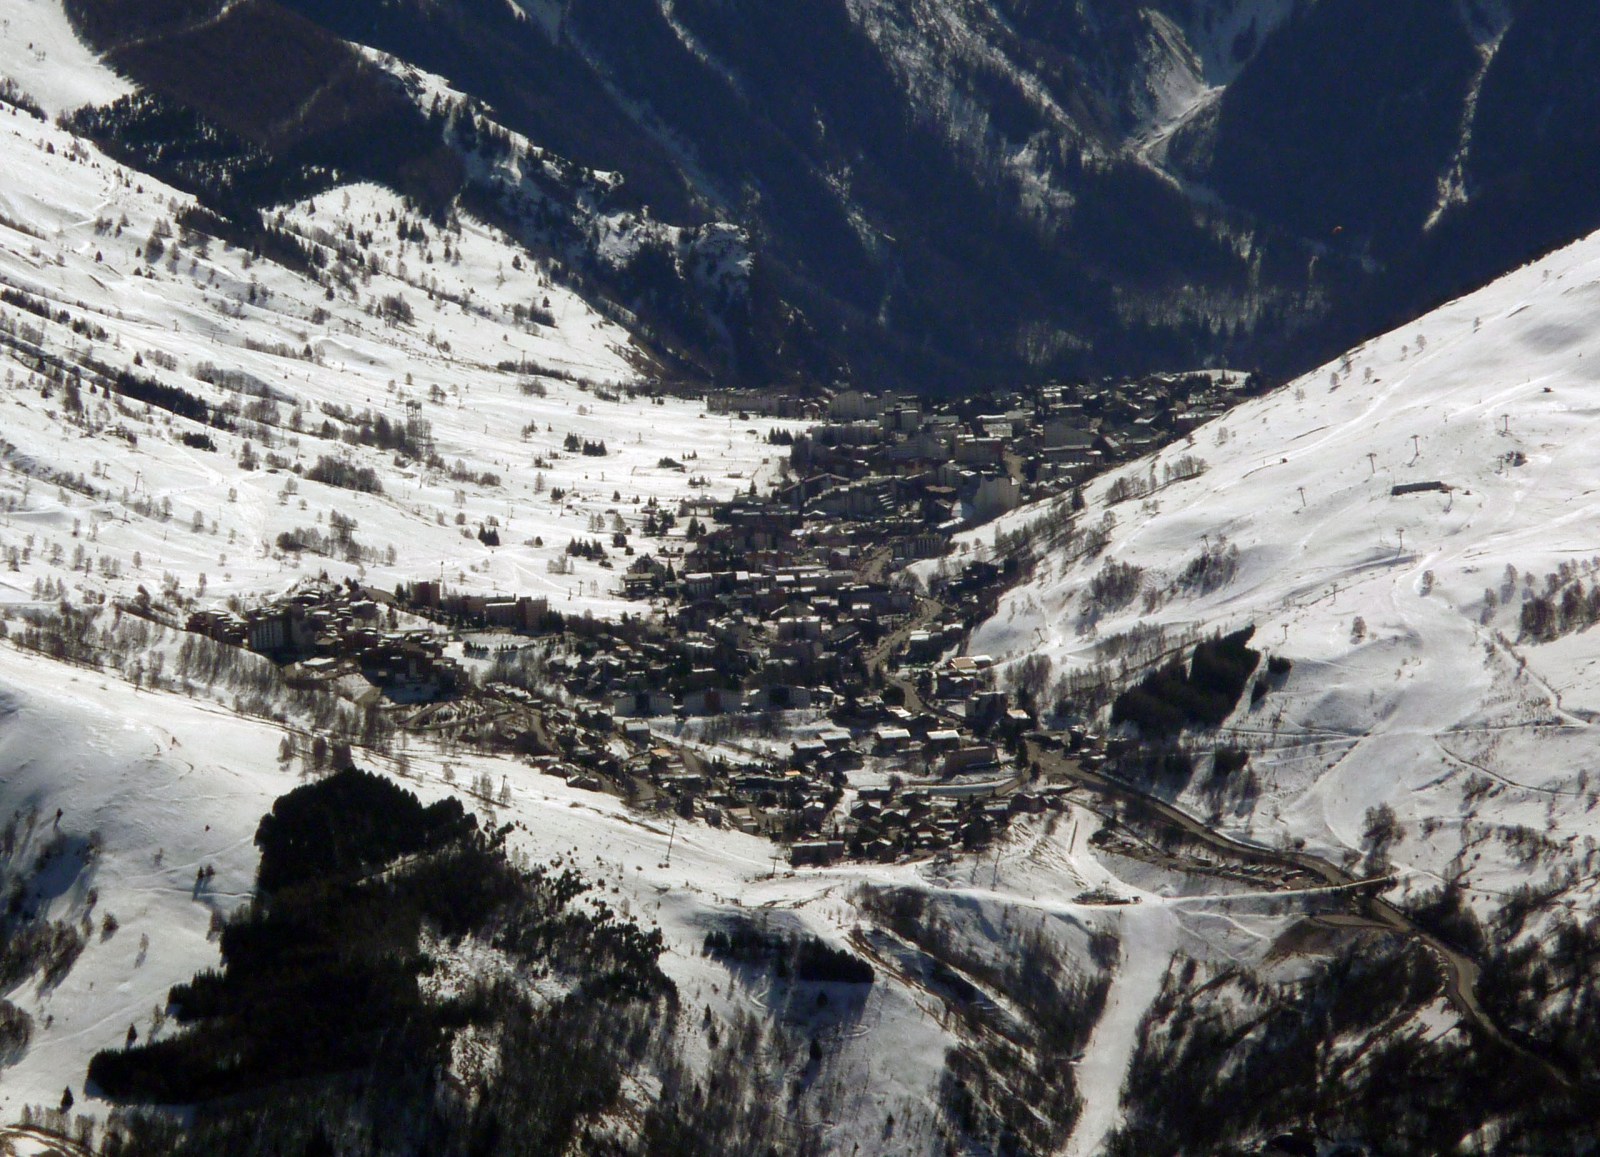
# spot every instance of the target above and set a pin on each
(1461, 971)
(878, 657)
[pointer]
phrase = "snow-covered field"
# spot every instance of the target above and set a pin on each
(39, 50)
(73, 229)
(1413, 683)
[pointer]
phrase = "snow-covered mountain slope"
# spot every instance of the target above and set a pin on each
(160, 784)
(101, 494)
(456, 332)
(150, 794)
(1411, 686)
(154, 785)
(1412, 526)
(41, 53)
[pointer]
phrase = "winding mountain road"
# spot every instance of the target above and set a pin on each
(1461, 971)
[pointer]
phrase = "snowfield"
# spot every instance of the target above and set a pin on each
(72, 227)
(39, 50)
(1382, 523)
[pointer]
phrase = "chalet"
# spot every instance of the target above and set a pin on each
(891, 739)
(779, 697)
(1129, 441)
(223, 626)
(924, 446)
(522, 613)
(987, 706)
(923, 646)
(866, 499)
(970, 664)
(283, 632)
(410, 668)
(1009, 425)
(809, 751)
(679, 782)
(859, 433)
(1065, 432)
(699, 677)
(711, 701)
(751, 528)
(1029, 803)
(645, 574)
(765, 403)
(926, 545)
(819, 853)
(792, 627)
(1072, 461)
(854, 406)
(836, 738)
(798, 652)
(971, 451)
(753, 783)
(699, 585)
(904, 417)
(699, 614)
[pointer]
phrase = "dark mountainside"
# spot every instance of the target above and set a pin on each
(942, 196)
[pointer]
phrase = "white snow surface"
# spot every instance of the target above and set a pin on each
(71, 225)
(1432, 690)
(40, 51)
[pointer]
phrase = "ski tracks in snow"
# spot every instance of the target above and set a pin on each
(1150, 935)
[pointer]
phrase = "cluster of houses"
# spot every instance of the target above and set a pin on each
(932, 779)
(778, 603)
(755, 646)
(935, 778)
(780, 606)
(805, 799)
(893, 457)
(885, 824)
(904, 473)
(324, 631)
